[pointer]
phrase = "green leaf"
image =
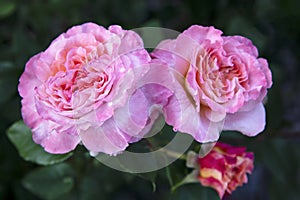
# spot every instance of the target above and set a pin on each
(50, 182)
(7, 8)
(190, 178)
(20, 135)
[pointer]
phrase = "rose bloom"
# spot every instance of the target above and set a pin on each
(225, 168)
(72, 90)
(221, 83)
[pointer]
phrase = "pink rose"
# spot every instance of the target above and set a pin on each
(72, 90)
(221, 83)
(225, 168)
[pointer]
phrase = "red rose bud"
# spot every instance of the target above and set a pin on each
(225, 168)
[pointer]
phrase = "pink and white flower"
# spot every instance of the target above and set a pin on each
(71, 91)
(221, 83)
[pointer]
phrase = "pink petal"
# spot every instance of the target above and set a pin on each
(238, 44)
(53, 141)
(107, 138)
(132, 117)
(250, 123)
(265, 68)
(201, 33)
(183, 116)
(145, 104)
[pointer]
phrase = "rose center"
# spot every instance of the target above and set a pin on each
(218, 81)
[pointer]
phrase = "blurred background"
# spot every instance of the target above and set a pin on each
(28, 26)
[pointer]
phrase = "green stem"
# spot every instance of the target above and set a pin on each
(173, 154)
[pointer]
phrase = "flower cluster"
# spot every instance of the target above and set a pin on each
(101, 88)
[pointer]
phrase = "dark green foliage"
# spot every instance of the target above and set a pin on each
(20, 135)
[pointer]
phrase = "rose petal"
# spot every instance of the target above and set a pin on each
(201, 34)
(250, 123)
(106, 138)
(54, 140)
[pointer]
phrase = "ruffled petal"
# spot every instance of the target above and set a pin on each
(53, 140)
(250, 122)
(106, 138)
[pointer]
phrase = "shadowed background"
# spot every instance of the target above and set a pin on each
(27, 27)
